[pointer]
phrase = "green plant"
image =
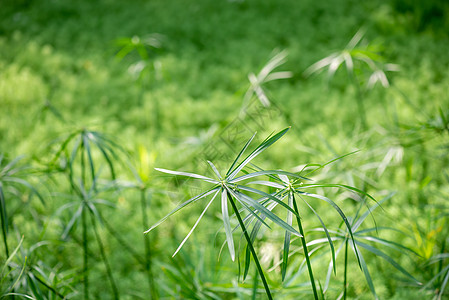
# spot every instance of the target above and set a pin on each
(10, 276)
(82, 171)
(265, 75)
(146, 66)
(11, 179)
(357, 238)
(358, 59)
(292, 189)
(143, 185)
(231, 190)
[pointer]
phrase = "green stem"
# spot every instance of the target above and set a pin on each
(4, 224)
(105, 260)
(85, 254)
(250, 245)
(255, 284)
(346, 269)
(146, 241)
(304, 246)
(440, 264)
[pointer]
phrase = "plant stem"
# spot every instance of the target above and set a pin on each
(304, 246)
(255, 287)
(85, 254)
(346, 269)
(146, 241)
(250, 245)
(4, 223)
(440, 264)
(105, 260)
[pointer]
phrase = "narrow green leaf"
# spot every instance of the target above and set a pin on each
(266, 172)
(3, 212)
(340, 212)
(370, 210)
(267, 183)
(11, 256)
(191, 200)
(214, 169)
(387, 258)
(269, 196)
(331, 244)
(364, 267)
(387, 243)
(196, 223)
(264, 145)
(89, 157)
(240, 154)
(227, 223)
(287, 238)
(253, 236)
(265, 212)
(192, 175)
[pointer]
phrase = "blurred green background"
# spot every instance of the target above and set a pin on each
(165, 80)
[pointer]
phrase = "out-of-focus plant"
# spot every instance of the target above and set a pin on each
(77, 156)
(12, 178)
(147, 68)
(356, 238)
(143, 177)
(10, 276)
(439, 123)
(358, 60)
(38, 280)
(265, 75)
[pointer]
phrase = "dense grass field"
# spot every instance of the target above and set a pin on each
(94, 95)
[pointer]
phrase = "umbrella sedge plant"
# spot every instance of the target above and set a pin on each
(76, 156)
(355, 238)
(294, 189)
(230, 190)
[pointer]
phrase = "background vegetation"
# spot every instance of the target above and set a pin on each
(95, 94)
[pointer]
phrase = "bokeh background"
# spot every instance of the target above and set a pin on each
(172, 83)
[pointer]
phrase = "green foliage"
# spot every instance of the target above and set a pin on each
(206, 80)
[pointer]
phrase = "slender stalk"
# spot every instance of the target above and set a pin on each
(250, 245)
(146, 242)
(85, 255)
(105, 259)
(5, 240)
(304, 246)
(346, 269)
(4, 229)
(440, 264)
(254, 296)
(84, 222)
